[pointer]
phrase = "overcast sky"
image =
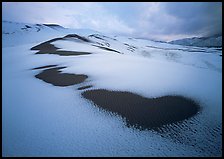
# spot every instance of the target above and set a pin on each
(152, 20)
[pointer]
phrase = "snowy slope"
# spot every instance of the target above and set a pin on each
(213, 41)
(40, 119)
(15, 34)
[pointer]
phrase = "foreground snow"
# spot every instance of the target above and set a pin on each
(40, 119)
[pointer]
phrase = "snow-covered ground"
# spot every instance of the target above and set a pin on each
(40, 119)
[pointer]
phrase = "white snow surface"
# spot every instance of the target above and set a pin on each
(40, 119)
(15, 34)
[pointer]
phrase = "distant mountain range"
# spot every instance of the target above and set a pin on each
(212, 41)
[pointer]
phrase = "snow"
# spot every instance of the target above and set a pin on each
(52, 121)
(14, 34)
(43, 120)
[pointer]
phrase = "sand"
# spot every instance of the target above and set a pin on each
(108, 49)
(84, 87)
(144, 113)
(77, 37)
(54, 77)
(42, 67)
(48, 48)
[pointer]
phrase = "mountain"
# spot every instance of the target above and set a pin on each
(212, 41)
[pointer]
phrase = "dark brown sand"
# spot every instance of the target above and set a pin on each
(47, 66)
(56, 78)
(53, 25)
(144, 113)
(84, 87)
(108, 49)
(96, 37)
(69, 53)
(130, 46)
(48, 48)
(77, 37)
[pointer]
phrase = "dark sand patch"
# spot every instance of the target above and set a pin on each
(27, 26)
(130, 47)
(55, 77)
(48, 48)
(47, 66)
(96, 36)
(69, 53)
(144, 113)
(84, 87)
(77, 37)
(108, 49)
(53, 25)
(99, 37)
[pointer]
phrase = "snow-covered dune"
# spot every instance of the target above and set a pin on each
(48, 72)
(15, 34)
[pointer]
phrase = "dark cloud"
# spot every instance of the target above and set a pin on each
(203, 18)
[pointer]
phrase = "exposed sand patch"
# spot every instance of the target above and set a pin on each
(53, 76)
(108, 49)
(42, 67)
(84, 87)
(143, 113)
(48, 48)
